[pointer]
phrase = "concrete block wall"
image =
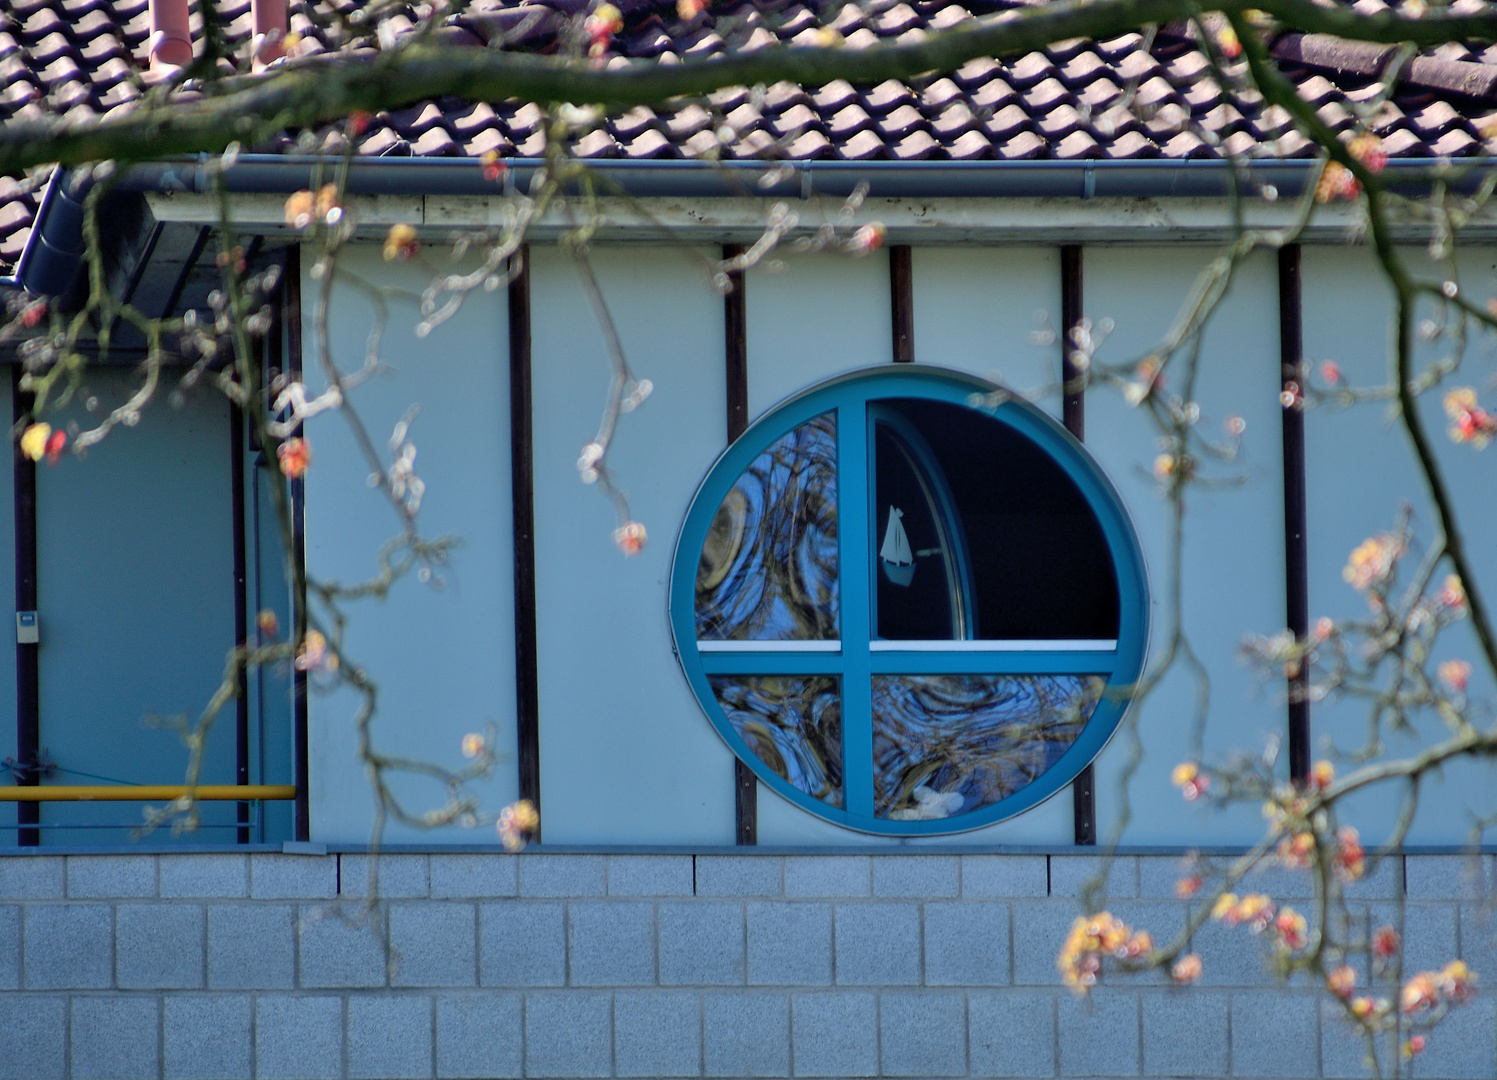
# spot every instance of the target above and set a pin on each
(709, 965)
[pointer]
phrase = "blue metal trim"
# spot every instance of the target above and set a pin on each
(850, 396)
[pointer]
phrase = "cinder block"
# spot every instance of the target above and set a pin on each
(1464, 1045)
(1185, 1033)
(293, 877)
(568, 1034)
(1384, 880)
(522, 943)
(389, 1038)
(1343, 1050)
(1449, 877)
(1233, 955)
(649, 875)
(114, 1038)
(206, 1037)
(789, 943)
(1429, 932)
(746, 1034)
(298, 1038)
(251, 946)
(966, 944)
(878, 944)
(158, 946)
(923, 1034)
(435, 944)
(204, 876)
(657, 1033)
(478, 1036)
(1039, 929)
(1011, 1034)
(1098, 1035)
(916, 875)
(1479, 941)
(35, 1041)
(1159, 874)
(563, 875)
(10, 948)
(740, 875)
(400, 877)
(461, 877)
(339, 950)
(109, 877)
(828, 875)
(611, 944)
(1275, 1033)
(701, 943)
(69, 946)
(31, 877)
(834, 1034)
(1071, 874)
(1005, 875)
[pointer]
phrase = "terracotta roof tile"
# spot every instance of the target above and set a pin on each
(1075, 100)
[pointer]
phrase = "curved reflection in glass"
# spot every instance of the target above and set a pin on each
(945, 745)
(768, 568)
(792, 724)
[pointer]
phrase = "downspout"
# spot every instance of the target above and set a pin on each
(54, 251)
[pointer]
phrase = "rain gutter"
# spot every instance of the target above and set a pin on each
(49, 261)
(272, 174)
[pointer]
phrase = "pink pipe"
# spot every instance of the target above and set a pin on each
(170, 44)
(271, 25)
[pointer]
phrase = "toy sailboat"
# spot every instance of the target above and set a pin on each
(895, 555)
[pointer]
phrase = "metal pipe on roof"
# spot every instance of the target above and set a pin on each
(170, 43)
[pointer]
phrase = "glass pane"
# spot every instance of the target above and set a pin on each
(768, 569)
(792, 724)
(1038, 560)
(916, 563)
(945, 745)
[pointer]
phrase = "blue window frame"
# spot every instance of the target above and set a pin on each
(909, 611)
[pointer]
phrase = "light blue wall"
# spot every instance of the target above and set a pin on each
(626, 754)
(135, 595)
(1234, 548)
(1360, 470)
(443, 659)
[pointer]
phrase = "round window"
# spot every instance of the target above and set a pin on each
(907, 610)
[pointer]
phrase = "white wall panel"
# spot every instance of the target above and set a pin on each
(818, 317)
(626, 754)
(443, 659)
(1361, 469)
(1234, 548)
(135, 591)
(977, 307)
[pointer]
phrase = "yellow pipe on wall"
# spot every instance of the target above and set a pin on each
(146, 792)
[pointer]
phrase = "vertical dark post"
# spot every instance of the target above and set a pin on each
(735, 351)
(522, 490)
(1073, 413)
(1296, 548)
(28, 687)
(902, 296)
(298, 488)
(241, 614)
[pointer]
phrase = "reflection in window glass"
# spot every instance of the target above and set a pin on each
(917, 597)
(768, 569)
(945, 745)
(792, 724)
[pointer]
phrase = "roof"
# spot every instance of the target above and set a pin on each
(80, 58)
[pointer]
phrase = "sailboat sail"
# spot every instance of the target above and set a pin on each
(895, 555)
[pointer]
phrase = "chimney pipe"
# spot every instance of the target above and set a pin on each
(170, 44)
(271, 26)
